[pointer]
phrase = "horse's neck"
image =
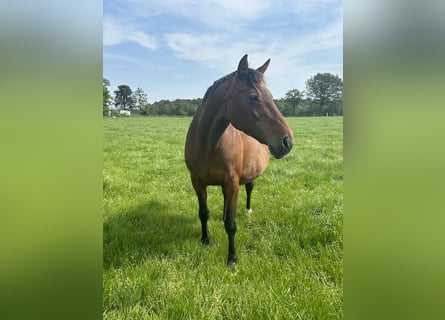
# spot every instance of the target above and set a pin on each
(213, 123)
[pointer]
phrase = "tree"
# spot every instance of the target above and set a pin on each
(107, 100)
(283, 106)
(293, 98)
(123, 97)
(140, 99)
(324, 87)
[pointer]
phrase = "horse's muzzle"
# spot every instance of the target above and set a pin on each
(285, 148)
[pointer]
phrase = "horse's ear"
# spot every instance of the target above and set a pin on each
(243, 66)
(263, 68)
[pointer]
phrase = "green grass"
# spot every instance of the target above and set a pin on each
(290, 249)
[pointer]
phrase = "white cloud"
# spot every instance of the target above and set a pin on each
(211, 49)
(123, 58)
(113, 33)
(116, 32)
(330, 37)
(219, 47)
(143, 40)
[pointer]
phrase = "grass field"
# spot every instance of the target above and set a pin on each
(290, 252)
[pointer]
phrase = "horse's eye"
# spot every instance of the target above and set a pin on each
(253, 98)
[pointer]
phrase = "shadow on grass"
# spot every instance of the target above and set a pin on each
(149, 231)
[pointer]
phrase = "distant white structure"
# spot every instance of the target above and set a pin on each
(125, 113)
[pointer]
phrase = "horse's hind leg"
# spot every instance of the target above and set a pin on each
(249, 188)
(201, 192)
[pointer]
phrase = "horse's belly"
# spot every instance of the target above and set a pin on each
(255, 159)
(251, 174)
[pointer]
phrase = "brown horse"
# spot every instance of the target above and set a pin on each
(229, 139)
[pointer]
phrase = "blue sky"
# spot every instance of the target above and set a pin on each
(177, 48)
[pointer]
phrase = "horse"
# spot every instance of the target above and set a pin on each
(229, 140)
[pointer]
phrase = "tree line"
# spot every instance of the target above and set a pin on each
(323, 96)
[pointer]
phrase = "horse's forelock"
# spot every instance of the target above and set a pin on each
(252, 76)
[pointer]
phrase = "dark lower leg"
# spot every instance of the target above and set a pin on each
(230, 226)
(231, 198)
(249, 188)
(201, 192)
(204, 217)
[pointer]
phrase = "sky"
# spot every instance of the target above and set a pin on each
(178, 48)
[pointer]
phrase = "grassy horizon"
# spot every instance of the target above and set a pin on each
(290, 249)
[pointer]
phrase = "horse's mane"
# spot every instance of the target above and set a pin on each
(254, 77)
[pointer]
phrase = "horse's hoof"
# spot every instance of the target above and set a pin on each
(249, 211)
(205, 241)
(231, 265)
(231, 261)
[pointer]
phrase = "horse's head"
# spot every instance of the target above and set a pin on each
(251, 109)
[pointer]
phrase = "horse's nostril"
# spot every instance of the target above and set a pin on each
(287, 143)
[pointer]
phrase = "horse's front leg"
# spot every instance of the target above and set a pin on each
(231, 198)
(249, 188)
(201, 192)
